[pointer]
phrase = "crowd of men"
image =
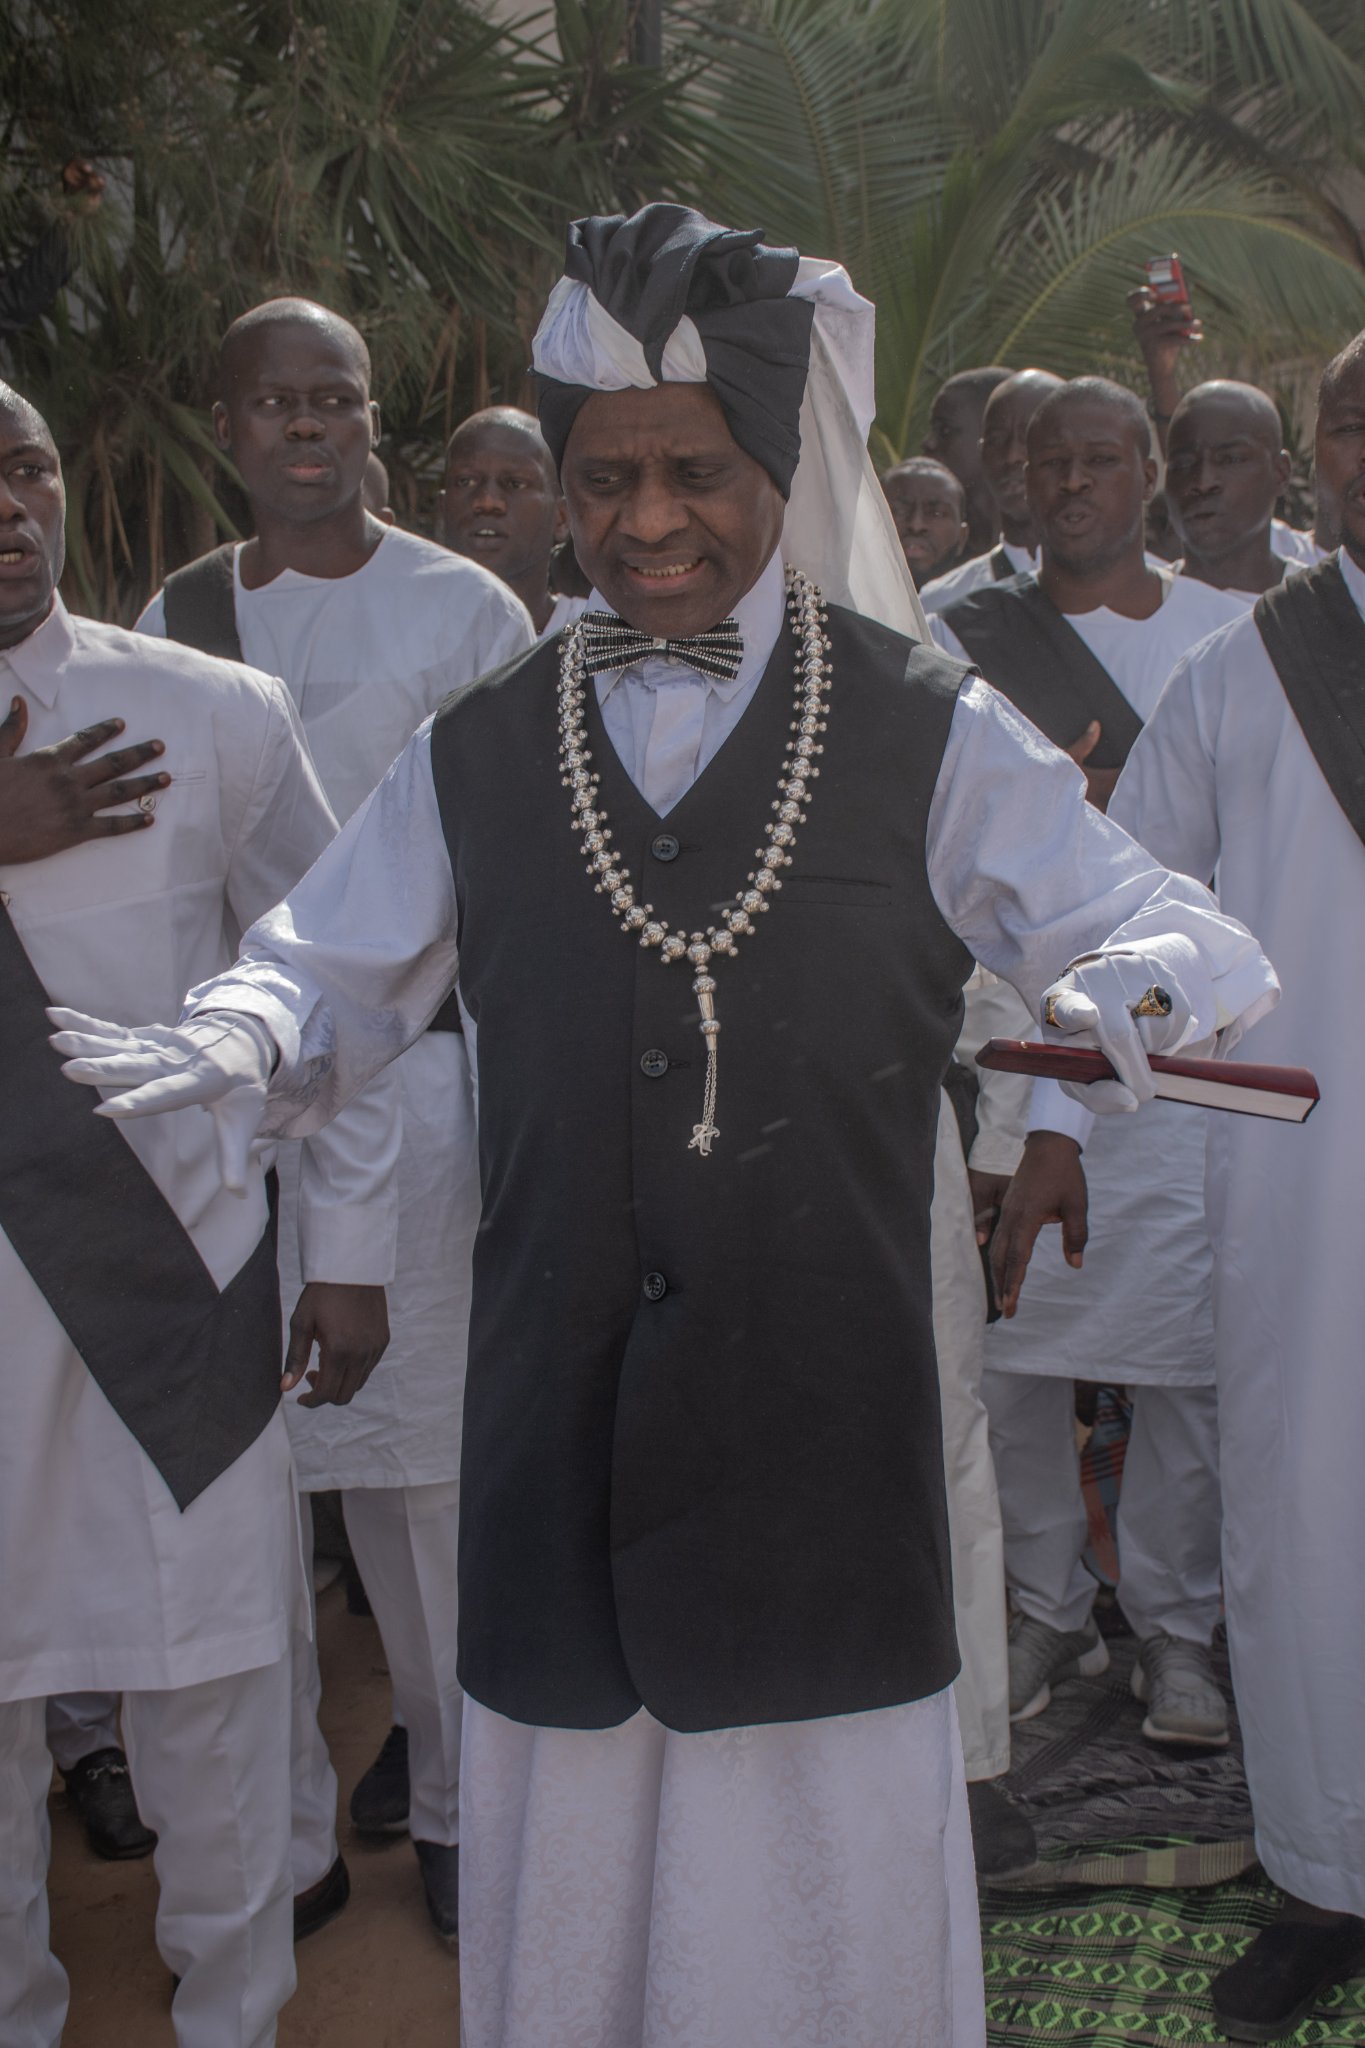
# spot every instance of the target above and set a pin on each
(437, 1173)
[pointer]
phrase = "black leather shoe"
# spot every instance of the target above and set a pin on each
(379, 1804)
(440, 1869)
(1267, 1992)
(322, 1901)
(102, 1793)
(1002, 1836)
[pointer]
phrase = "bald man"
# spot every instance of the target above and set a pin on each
(501, 506)
(1250, 767)
(1004, 458)
(1225, 469)
(370, 628)
(148, 1533)
(929, 506)
(954, 438)
(1085, 648)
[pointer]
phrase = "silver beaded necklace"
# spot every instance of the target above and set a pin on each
(610, 875)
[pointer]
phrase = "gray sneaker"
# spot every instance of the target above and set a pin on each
(1041, 1657)
(1184, 1704)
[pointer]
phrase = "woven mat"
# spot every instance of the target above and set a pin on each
(1111, 1808)
(1118, 1969)
(1146, 1886)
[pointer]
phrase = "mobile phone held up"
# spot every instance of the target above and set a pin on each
(1166, 283)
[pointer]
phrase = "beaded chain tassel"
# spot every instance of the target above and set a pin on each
(611, 877)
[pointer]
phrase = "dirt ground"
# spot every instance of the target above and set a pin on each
(377, 1977)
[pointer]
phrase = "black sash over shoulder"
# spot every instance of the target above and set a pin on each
(1029, 651)
(193, 1373)
(1315, 638)
(201, 605)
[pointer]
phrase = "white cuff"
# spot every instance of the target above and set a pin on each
(356, 1245)
(1053, 1110)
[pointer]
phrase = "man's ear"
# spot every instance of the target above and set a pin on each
(222, 426)
(376, 424)
(1150, 473)
(1283, 464)
(561, 531)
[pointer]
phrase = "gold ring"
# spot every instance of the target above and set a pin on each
(1156, 1003)
(1050, 1012)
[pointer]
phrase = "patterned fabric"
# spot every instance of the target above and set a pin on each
(609, 643)
(1146, 1888)
(1124, 1969)
(1101, 1478)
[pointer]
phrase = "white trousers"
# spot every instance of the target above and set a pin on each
(1169, 1519)
(635, 1888)
(404, 1539)
(211, 1766)
(974, 1529)
(79, 1723)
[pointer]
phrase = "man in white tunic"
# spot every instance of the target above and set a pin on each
(1139, 1314)
(713, 1788)
(370, 628)
(1225, 470)
(1251, 765)
(1004, 459)
(149, 1544)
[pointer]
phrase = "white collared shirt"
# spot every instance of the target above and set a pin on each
(667, 721)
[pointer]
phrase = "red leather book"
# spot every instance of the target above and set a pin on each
(1287, 1093)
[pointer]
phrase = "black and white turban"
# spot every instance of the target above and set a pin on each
(786, 344)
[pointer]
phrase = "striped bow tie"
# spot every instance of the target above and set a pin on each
(608, 642)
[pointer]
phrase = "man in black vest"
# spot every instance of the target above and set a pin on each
(712, 1787)
(1226, 466)
(1255, 765)
(1085, 649)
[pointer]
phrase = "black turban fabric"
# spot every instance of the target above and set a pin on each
(650, 269)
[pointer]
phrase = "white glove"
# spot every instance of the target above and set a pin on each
(1094, 1001)
(223, 1062)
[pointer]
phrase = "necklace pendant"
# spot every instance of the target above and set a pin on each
(703, 1136)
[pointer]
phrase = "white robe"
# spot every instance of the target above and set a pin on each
(366, 658)
(1223, 776)
(955, 584)
(107, 1586)
(1146, 1172)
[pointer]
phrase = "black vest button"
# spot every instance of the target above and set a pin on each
(654, 1063)
(656, 1287)
(665, 847)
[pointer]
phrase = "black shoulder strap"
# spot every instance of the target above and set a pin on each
(192, 1371)
(1315, 638)
(201, 605)
(1030, 652)
(1002, 568)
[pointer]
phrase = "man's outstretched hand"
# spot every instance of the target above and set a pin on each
(54, 797)
(350, 1327)
(222, 1062)
(1049, 1187)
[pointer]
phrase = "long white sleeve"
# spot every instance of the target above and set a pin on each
(1031, 877)
(348, 1201)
